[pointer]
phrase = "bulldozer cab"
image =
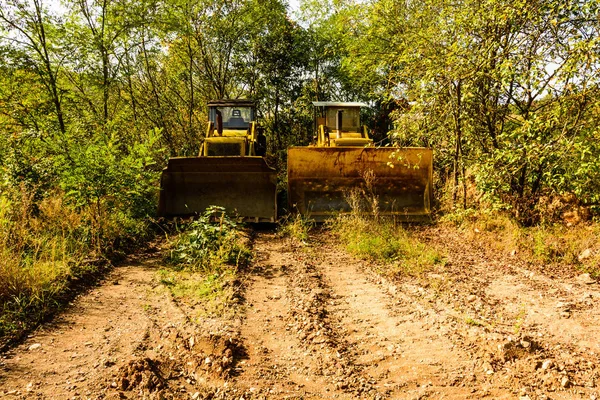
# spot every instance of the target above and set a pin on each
(338, 124)
(231, 129)
(230, 170)
(231, 115)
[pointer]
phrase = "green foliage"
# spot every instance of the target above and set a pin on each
(210, 242)
(204, 261)
(102, 171)
(505, 92)
(386, 242)
(297, 227)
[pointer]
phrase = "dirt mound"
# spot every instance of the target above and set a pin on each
(183, 361)
(142, 374)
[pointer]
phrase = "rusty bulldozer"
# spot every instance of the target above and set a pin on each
(230, 170)
(344, 158)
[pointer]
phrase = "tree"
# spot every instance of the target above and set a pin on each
(494, 86)
(33, 30)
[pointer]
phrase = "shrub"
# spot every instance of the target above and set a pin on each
(210, 241)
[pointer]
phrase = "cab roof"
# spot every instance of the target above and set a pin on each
(232, 103)
(338, 104)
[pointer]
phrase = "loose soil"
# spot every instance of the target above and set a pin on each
(314, 322)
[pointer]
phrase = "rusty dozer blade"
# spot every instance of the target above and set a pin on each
(320, 178)
(243, 185)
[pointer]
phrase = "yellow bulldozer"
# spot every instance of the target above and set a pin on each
(344, 158)
(230, 170)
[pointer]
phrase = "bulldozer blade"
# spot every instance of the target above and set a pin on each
(398, 180)
(245, 186)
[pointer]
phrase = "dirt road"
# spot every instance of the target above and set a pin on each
(315, 323)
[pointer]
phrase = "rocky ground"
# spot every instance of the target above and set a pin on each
(316, 323)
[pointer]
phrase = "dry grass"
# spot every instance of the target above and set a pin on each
(573, 247)
(297, 227)
(368, 235)
(45, 246)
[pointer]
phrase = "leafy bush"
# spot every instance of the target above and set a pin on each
(113, 186)
(204, 261)
(66, 204)
(209, 242)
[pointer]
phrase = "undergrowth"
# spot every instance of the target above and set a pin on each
(576, 247)
(67, 209)
(204, 260)
(367, 235)
(48, 249)
(297, 227)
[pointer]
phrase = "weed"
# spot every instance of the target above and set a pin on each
(297, 227)
(209, 242)
(473, 322)
(520, 319)
(386, 242)
(204, 261)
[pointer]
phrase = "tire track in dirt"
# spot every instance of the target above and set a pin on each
(319, 324)
(538, 333)
(292, 348)
(274, 363)
(69, 357)
(396, 339)
(348, 335)
(126, 338)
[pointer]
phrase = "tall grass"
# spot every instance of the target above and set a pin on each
(45, 246)
(368, 235)
(574, 247)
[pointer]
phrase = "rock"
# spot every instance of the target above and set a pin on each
(207, 360)
(547, 364)
(471, 298)
(195, 395)
(34, 346)
(487, 368)
(586, 279)
(587, 253)
(564, 305)
(564, 382)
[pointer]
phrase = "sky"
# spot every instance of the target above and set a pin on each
(56, 6)
(294, 5)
